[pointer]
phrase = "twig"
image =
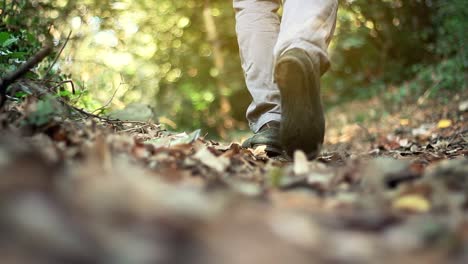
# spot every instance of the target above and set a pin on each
(58, 55)
(427, 93)
(22, 70)
(134, 128)
(110, 100)
(106, 119)
(62, 83)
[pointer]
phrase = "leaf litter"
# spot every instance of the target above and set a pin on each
(83, 190)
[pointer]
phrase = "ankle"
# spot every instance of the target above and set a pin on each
(271, 124)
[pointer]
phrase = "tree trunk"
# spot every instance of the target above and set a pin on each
(218, 60)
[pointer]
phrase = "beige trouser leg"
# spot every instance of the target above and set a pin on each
(306, 24)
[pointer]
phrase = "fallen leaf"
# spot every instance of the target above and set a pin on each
(463, 106)
(218, 164)
(412, 203)
(187, 139)
(260, 152)
(444, 123)
(441, 144)
(301, 165)
(404, 122)
(404, 143)
(423, 130)
(173, 140)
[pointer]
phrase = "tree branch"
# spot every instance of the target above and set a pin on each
(22, 70)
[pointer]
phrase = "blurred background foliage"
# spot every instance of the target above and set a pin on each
(181, 57)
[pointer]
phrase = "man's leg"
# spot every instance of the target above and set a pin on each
(257, 26)
(308, 25)
(302, 58)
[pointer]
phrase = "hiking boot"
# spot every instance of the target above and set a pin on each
(302, 119)
(267, 136)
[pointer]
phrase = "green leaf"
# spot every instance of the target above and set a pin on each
(4, 36)
(6, 39)
(21, 95)
(9, 42)
(45, 111)
(30, 37)
(17, 55)
(65, 93)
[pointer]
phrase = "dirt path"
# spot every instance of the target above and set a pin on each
(393, 189)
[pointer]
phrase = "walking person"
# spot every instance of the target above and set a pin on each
(283, 60)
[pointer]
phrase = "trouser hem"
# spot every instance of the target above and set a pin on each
(265, 118)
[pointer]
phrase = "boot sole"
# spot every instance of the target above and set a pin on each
(302, 119)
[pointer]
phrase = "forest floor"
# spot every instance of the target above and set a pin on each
(389, 189)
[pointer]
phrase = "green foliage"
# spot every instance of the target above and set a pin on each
(161, 51)
(435, 81)
(389, 42)
(46, 110)
(451, 23)
(448, 74)
(15, 48)
(24, 26)
(21, 30)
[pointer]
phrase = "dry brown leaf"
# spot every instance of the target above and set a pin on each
(260, 152)
(301, 163)
(219, 164)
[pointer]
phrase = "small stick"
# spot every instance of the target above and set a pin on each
(53, 89)
(134, 128)
(58, 55)
(111, 121)
(101, 109)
